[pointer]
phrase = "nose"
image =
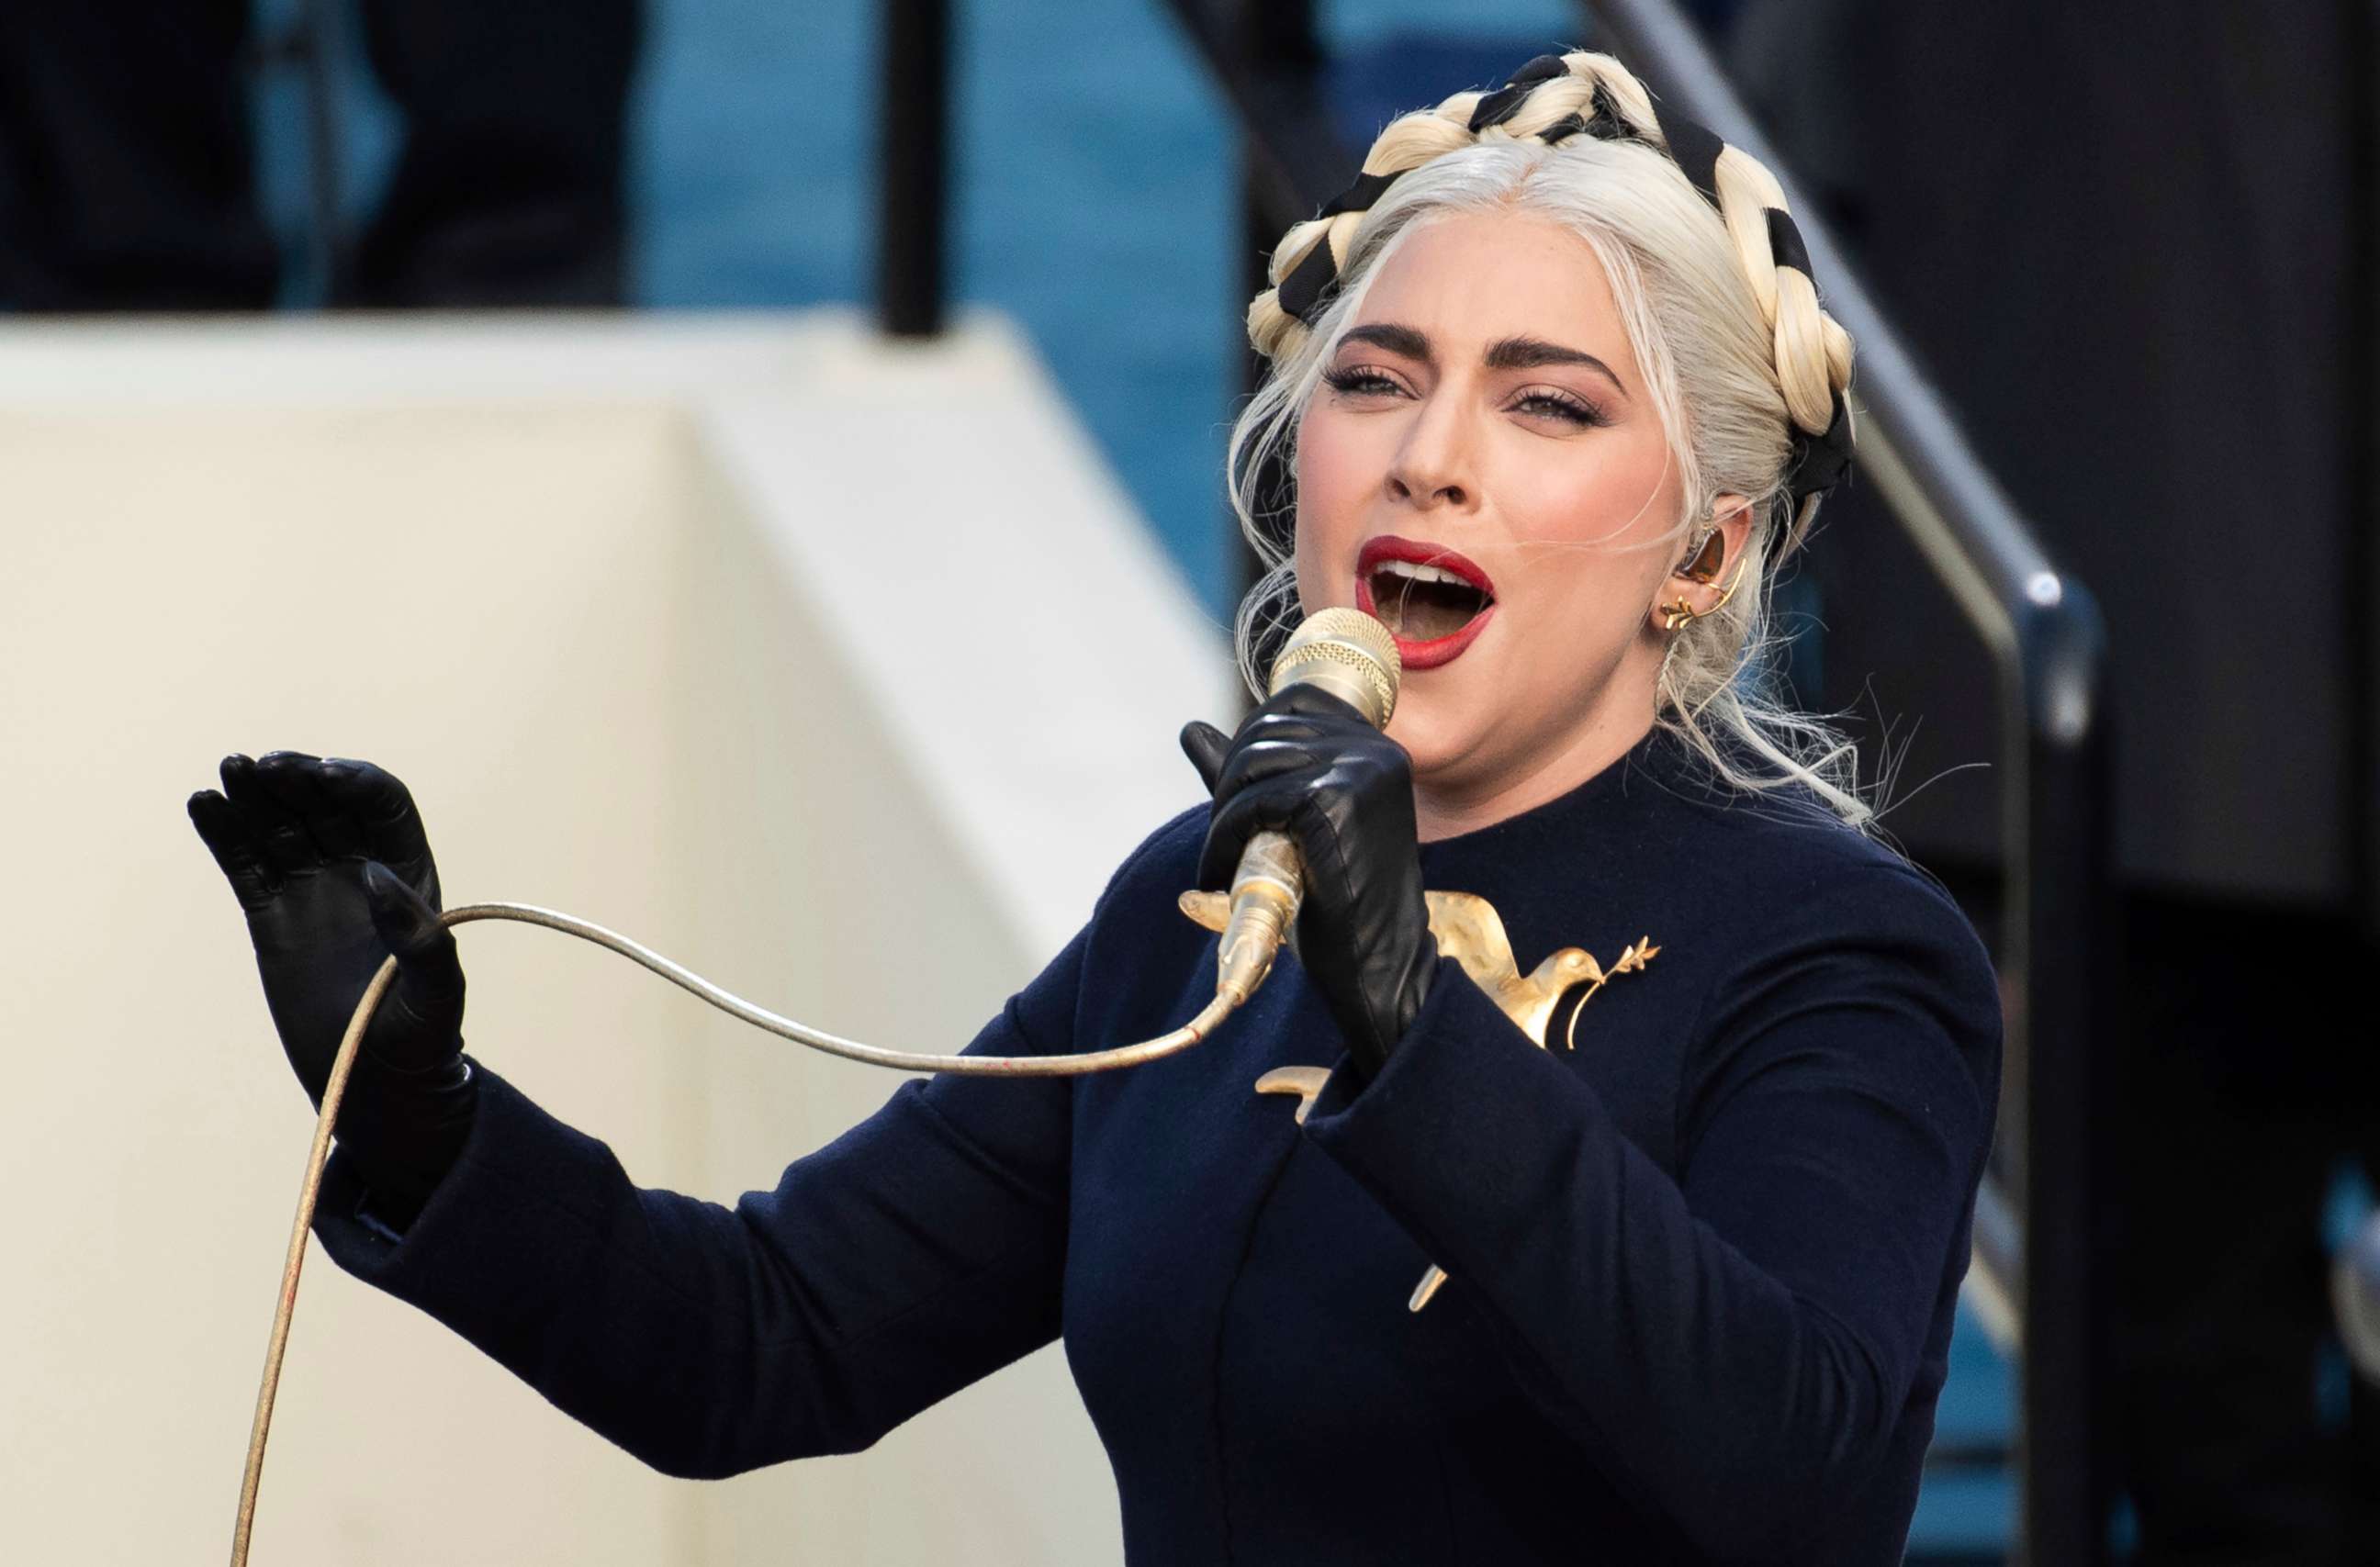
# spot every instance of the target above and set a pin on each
(1432, 466)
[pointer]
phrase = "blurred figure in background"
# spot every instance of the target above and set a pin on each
(127, 158)
(2131, 241)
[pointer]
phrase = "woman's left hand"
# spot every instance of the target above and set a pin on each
(1308, 764)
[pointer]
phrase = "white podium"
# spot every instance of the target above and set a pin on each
(668, 622)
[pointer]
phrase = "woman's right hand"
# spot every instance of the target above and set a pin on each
(330, 865)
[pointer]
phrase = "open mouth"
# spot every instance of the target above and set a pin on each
(1431, 599)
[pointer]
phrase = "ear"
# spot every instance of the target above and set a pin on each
(1700, 581)
(1733, 516)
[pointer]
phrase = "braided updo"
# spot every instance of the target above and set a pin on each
(1715, 292)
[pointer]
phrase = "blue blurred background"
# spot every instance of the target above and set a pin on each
(1093, 187)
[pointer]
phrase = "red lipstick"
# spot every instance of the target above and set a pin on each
(1438, 649)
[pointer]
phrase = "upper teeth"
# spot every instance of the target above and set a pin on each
(1420, 573)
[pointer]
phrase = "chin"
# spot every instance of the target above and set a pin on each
(1434, 739)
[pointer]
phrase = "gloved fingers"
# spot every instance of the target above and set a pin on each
(1302, 709)
(429, 974)
(238, 852)
(1274, 751)
(1301, 713)
(296, 780)
(288, 845)
(382, 807)
(1281, 763)
(1205, 746)
(1299, 729)
(1281, 804)
(1301, 721)
(1275, 740)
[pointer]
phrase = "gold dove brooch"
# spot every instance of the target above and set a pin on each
(1470, 931)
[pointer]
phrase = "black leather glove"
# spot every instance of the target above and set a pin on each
(1307, 763)
(329, 862)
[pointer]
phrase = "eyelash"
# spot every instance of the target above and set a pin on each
(1363, 381)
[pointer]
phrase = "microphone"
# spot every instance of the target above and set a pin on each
(1351, 655)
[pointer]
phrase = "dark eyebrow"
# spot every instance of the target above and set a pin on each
(1394, 338)
(1528, 353)
(1510, 352)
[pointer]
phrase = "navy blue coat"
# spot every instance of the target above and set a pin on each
(1702, 1266)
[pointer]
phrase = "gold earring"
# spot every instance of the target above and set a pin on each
(1679, 611)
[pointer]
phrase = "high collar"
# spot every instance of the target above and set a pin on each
(1656, 766)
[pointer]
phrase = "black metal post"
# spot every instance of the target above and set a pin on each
(2066, 900)
(913, 175)
(2360, 573)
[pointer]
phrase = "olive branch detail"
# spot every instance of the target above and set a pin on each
(1631, 961)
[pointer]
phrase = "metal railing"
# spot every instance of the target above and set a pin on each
(2038, 1240)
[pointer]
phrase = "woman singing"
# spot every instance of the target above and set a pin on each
(1557, 397)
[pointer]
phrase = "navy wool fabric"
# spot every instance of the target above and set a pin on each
(1702, 1266)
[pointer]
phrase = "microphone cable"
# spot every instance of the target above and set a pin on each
(1227, 999)
(1341, 649)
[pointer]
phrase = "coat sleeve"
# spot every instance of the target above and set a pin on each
(919, 1252)
(1736, 1344)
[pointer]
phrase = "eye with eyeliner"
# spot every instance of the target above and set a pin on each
(1359, 381)
(1563, 405)
(1368, 381)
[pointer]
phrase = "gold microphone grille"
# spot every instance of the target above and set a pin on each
(1349, 653)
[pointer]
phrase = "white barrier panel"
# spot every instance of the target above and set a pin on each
(674, 623)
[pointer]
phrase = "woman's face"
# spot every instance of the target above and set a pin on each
(1486, 411)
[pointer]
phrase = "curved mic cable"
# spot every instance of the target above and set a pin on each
(1341, 650)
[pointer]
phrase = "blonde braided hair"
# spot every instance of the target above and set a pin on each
(1779, 432)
